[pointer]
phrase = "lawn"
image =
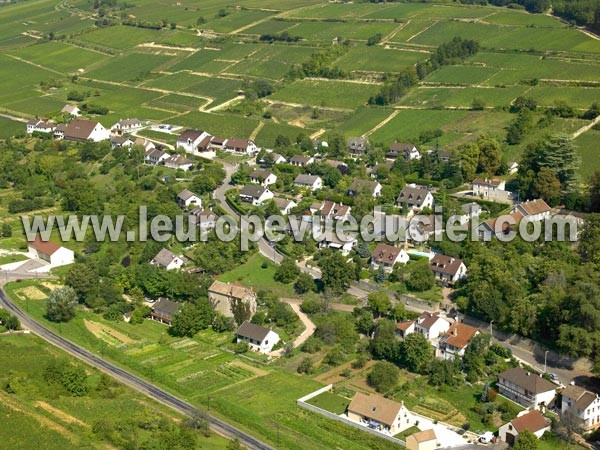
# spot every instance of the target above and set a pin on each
(7, 259)
(132, 67)
(335, 94)
(587, 147)
(121, 37)
(217, 124)
(363, 120)
(378, 59)
(330, 402)
(10, 127)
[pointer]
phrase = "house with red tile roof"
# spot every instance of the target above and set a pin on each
(532, 421)
(51, 252)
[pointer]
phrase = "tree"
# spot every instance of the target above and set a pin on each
(198, 421)
(235, 444)
(383, 376)
(336, 272)
(526, 441)
(379, 302)
(474, 358)
(489, 155)
(83, 278)
(287, 271)
(305, 366)
(380, 276)
(61, 303)
(444, 372)
(192, 318)
(335, 356)
(421, 279)
(589, 239)
(6, 230)
(304, 283)
(416, 353)
(478, 104)
(546, 186)
(469, 159)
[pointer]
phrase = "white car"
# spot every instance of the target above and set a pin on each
(486, 438)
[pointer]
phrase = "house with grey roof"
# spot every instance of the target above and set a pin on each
(167, 260)
(187, 198)
(164, 310)
(255, 194)
(415, 198)
(260, 339)
(312, 182)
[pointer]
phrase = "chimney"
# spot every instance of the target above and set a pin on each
(528, 374)
(455, 331)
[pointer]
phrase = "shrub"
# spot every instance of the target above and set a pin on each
(241, 347)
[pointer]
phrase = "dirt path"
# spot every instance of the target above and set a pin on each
(300, 105)
(39, 66)
(255, 370)
(585, 128)
(61, 414)
(15, 118)
(223, 105)
(255, 132)
(310, 327)
(382, 123)
(422, 31)
(393, 33)
(316, 134)
(167, 47)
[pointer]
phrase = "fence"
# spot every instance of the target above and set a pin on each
(302, 403)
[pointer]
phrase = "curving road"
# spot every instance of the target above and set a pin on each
(128, 378)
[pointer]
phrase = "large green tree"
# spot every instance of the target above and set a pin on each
(61, 304)
(336, 272)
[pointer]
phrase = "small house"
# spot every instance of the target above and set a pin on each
(415, 198)
(489, 189)
(407, 151)
(256, 195)
(525, 388)
(455, 341)
(387, 256)
(164, 310)
(532, 421)
(240, 146)
(263, 177)
(51, 252)
(357, 146)
(447, 269)
(126, 126)
(178, 162)
(85, 130)
(187, 198)
(369, 187)
(190, 139)
(285, 205)
(167, 260)
(312, 182)
(301, 160)
(71, 110)
(431, 325)
(422, 440)
(534, 210)
(260, 339)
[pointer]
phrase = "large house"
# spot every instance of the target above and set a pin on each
(187, 198)
(534, 210)
(164, 310)
(431, 325)
(387, 256)
(532, 421)
(243, 146)
(312, 182)
(167, 260)
(455, 341)
(263, 177)
(447, 269)
(415, 198)
(489, 189)
(582, 405)
(126, 126)
(259, 339)
(41, 125)
(155, 156)
(178, 162)
(373, 188)
(50, 252)
(227, 296)
(380, 413)
(407, 151)
(190, 139)
(527, 389)
(332, 210)
(358, 146)
(257, 195)
(82, 130)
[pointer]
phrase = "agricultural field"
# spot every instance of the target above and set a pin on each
(36, 414)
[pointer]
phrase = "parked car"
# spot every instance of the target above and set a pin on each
(486, 438)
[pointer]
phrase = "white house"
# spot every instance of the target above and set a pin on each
(178, 162)
(120, 142)
(155, 156)
(312, 182)
(332, 210)
(285, 205)
(357, 146)
(469, 212)
(263, 177)
(71, 110)
(380, 413)
(243, 146)
(50, 252)
(532, 421)
(167, 260)
(370, 187)
(415, 198)
(148, 145)
(387, 256)
(345, 244)
(405, 328)
(260, 339)
(126, 126)
(582, 405)
(513, 167)
(528, 389)
(455, 341)
(489, 189)
(276, 158)
(498, 226)
(187, 198)
(84, 130)
(407, 151)
(431, 325)
(301, 160)
(257, 195)
(41, 125)
(204, 219)
(534, 210)
(447, 269)
(190, 139)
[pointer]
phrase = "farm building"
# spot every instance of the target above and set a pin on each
(50, 252)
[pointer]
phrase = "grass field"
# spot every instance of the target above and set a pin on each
(587, 147)
(336, 94)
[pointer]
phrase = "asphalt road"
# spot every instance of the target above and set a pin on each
(149, 389)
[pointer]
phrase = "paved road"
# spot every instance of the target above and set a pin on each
(127, 378)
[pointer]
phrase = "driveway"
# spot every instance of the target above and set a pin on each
(309, 326)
